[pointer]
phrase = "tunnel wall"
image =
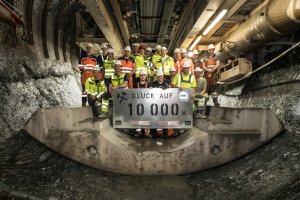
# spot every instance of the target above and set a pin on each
(28, 79)
(276, 86)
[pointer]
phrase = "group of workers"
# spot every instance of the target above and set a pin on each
(140, 68)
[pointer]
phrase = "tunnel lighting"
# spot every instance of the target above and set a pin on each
(218, 18)
(196, 42)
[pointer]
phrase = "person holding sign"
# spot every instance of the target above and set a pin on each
(161, 83)
(142, 83)
(96, 92)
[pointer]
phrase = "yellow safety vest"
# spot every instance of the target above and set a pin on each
(184, 81)
(139, 64)
(109, 67)
(93, 88)
(117, 80)
(165, 64)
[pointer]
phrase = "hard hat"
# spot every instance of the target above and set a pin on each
(90, 45)
(96, 69)
(110, 50)
(183, 51)
(148, 49)
(176, 50)
(135, 45)
(186, 64)
(103, 46)
(159, 73)
(143, 72)
(198, 69)
(118, 62)
(211, 46)
(172, 69)
(157, 47)
(164, 48)
(195, 52)
(127, 48)
(141, 47)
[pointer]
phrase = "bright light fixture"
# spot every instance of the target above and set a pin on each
(218, 18)
(195, 42)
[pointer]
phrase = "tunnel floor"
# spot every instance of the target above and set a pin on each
(29, 170)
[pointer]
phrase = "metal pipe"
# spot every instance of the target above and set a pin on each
(276, 19)
(9, 15)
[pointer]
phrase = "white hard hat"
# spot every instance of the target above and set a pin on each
(103, 46)
(90, 45)
(164, 48)
(127, 48)
(148, 49)
(186, 64)
(96, 69)
(159, 73)
(118, 62)
(183, 51)
(198, 69)
(211, 46)
(110, 50)
(176, 50)
(195, 52)
(143, 72)
(135, 45)
(158, 47)
(172, 69)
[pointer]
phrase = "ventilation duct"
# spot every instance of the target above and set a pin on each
(276, 19)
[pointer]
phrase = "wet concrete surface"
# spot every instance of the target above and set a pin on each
(28, 170)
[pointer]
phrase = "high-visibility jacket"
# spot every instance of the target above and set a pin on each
(118, 80)
(87, 66)
(93, 88)
(211, 62)
(165, 64)
(181, 61)
(176, 65)
(127, 65)
(155, 58)
(184, 81)
(149, 65)
(127, 68)
(139, 64)
(109, 67)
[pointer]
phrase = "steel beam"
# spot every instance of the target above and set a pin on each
(101, 16)
(168, 9)
(116, 7)
(183, 18)
(207, 13)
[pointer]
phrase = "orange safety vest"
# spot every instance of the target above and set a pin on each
(87, 66)
(181, 61)
(210, 62)
(127, 68)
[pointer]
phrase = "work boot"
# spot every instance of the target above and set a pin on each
(104, 115)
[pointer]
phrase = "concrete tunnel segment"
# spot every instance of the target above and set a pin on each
(227, 134)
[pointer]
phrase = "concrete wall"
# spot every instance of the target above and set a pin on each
(28, 80)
